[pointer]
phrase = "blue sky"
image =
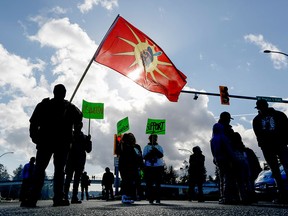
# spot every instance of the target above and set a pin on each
(213, 43)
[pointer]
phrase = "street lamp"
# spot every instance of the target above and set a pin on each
(6, 153)
(271, 51)
(186, 150)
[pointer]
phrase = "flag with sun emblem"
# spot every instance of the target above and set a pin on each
(132, 53)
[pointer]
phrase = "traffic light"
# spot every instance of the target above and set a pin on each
(224, 95)
(117, 146)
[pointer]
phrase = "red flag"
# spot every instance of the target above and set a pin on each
(132, 53)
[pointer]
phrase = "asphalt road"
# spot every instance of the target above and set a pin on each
(141, 208)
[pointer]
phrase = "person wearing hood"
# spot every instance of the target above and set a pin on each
(270, 127)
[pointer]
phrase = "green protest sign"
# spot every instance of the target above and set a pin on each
(92, 110)
(123, 126)
(156, 126)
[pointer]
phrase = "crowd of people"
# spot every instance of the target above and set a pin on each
(231, 158)
(132, 161)
(238, 165)
(56, 129)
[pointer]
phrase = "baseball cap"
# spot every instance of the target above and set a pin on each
(225, 115)
(261, 103)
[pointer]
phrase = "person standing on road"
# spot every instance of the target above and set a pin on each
(241, 170)
(85, 183)
(270, 127)
(128, 167)
(27, 174)
(255, 169)
(197, 174)
(223, 157)
(50, 129)
(81, 144)
(154, 168)
(140, 165)
(107, 183)
(225, 119)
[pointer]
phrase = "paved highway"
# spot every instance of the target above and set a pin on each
(142, 208)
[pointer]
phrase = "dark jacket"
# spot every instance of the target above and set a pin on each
(221, 146)
(253, 162)
(108, 178)
(197, 171)
(52, 121)
(271, 128)
(85, 181)
(81, 144)
(128, 160)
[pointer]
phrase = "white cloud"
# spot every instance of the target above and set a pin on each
(189, 122)
(58, 10)
(279, 61)
(88, 5)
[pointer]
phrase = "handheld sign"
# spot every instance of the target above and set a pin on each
(123, 126)
(92, 110)
(156, 126)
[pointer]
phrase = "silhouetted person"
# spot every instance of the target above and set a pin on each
(85, 183)
(27, 174)
(241, 170)
(225, 119)
(255, 169)
(140, 165)
(197, 174)
(271, 127)
(107, 182)
(128, 167)
(154, 169)
(223, 157)
(51, 130)
(76, 161)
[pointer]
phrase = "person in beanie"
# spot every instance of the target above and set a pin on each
(270, 127)
(197, 174)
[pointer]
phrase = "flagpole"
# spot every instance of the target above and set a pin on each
(80, 81)
(95, 54)
(89, 127)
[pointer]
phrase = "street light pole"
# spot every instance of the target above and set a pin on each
(6, 153)
(271, 51)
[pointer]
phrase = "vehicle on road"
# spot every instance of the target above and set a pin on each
(265, 184)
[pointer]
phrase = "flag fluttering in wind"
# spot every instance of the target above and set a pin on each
(130, 52)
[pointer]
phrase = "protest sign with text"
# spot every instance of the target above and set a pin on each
(156, 126)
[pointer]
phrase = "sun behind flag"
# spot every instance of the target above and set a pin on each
(133, 54)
